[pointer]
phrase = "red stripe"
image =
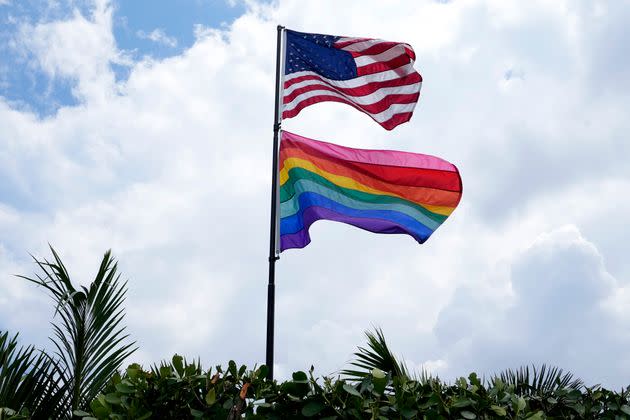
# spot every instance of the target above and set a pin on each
(404, 176)
(379, 48)
(342, 44)
(291, 82)
(374, 49)
(363, 90)
(396, 62)
(420, 194)
(388, 125)
(373, 108)
(410, 52)
(394, 121)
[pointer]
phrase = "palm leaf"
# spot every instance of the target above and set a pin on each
(377, 355)
(29, 380)
(537, 381)
(89, 340)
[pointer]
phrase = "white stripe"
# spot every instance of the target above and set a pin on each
(390, 112)
(359, 100)
(324, 82)
(360, 46)
(349, 39)
(393, 52)
(386, 115)
(394, 109)
(351, 83)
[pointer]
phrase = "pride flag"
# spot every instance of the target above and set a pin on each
(381, 191)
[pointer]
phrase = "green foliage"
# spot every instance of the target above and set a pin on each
(83, 379)
(377, 355)
(89, 340)
(540, 381)
(181, 389)
(28, 381)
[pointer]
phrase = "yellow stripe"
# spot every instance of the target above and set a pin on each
(346, 182)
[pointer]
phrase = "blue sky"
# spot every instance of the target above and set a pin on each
(148, 131)
(133, 23)
(176, 19)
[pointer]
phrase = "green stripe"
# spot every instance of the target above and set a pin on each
(292, 206)
(288, 190)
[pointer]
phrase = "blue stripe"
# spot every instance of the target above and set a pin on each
(301, 186)
(294, 223)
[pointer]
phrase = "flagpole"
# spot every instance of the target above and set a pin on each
(273, 257)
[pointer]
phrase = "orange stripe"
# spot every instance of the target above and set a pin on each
(420, 195)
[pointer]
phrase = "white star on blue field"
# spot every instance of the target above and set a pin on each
(317, 53)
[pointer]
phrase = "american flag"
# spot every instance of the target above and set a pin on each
(374, 76)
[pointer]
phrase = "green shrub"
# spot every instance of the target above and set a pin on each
(180, 389)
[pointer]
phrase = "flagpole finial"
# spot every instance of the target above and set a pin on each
(280, 27)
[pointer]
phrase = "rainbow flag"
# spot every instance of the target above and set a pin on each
(382, 191)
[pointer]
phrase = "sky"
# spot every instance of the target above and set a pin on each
(146, 128)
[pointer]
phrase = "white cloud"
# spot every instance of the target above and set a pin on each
(158, 36)
(80, 48)
(171, 169)
(558, 313)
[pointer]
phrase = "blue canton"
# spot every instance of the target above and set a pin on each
(315, 52)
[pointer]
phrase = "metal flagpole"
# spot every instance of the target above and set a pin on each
(273, 256)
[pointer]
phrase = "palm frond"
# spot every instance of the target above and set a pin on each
(377, 355)
(426, 377)
(537, 381)
(88, 337)
(29, 380)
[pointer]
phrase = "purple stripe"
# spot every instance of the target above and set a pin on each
(312, 214)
